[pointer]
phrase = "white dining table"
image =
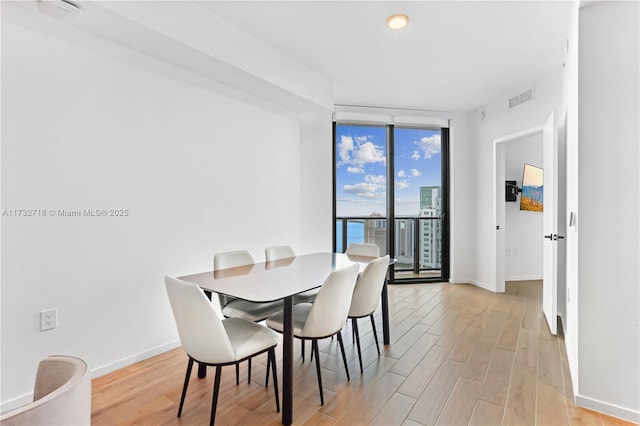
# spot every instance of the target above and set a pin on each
(281, 280)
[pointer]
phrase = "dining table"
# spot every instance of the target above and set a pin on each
(282, 280)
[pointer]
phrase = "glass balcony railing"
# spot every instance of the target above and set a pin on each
(418, 241)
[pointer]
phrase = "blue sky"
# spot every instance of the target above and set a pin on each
(361, 161)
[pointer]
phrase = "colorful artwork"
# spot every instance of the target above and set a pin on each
(532, 189)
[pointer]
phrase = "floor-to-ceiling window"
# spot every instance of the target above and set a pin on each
(391, 189)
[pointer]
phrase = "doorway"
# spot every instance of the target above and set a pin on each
(509, 253)
(547, 190)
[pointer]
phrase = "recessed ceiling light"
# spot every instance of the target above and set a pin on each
(397, 22)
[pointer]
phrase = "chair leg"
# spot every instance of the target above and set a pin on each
(186, 383)
(266, 379)
(344, 356)
(354, 325)
(303, 345)
(216, 390)
(272, 357)
(375, 333)
(249, 373)
(237, 374)
(314, 347)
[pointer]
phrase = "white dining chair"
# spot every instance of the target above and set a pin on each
(210, 341)
(61, 395)
(232, 307)
(363, 249)
(325, 317)
(238, 308)
(366, 297)
(274, 253)
(278, 252)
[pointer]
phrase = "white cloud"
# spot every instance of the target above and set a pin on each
(368, 153)
(415, 173)
(364, 190)
(401, 173)
(378, 180)
(372, 187)
(430, 146)
(360, 188)
(345, 147)
(415, 155)
(402, 184)
(358, 151)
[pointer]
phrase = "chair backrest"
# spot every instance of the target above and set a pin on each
(362, 249)
(62, 395)
(366, 295)
(201, 332)
(231, 259)
(278, 252)
(331, 305)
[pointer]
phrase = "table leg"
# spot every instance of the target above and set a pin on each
(202, 369)
(385, 314)
(287, 362)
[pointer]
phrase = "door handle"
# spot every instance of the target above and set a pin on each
(554, 237)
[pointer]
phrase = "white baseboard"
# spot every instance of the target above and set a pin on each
(16, 402)
(609, 409)
(458, 281)
(483, 285)
(125, 362)
(523, 278)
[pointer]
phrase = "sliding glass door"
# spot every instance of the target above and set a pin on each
(391, 189)
(418, 203)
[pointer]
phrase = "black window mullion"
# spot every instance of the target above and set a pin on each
(444, 144)
(391, 229)
(335, 180)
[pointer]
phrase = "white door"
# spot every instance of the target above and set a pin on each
(550, 224)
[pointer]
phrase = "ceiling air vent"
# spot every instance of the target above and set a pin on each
(521, 98)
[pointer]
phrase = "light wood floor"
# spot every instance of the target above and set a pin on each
(459, 355)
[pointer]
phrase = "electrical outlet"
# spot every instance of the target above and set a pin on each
(48, 319)
(515, 251)
(508, 252)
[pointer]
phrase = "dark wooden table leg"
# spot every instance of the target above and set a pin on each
(287, 362)
(385, 314)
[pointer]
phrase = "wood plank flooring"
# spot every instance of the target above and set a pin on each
(459, 355)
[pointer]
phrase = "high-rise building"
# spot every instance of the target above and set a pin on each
(430, 227)
(375, 232)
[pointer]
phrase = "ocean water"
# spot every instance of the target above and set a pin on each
(355, 233)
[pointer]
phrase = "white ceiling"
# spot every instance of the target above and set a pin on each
(454, 55)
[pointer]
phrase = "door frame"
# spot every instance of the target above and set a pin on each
(499, 203)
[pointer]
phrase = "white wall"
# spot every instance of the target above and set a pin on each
(500, 121)
(608, 208)
(523, 229)
(316, 183)
(463, 195)
(198, 172)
